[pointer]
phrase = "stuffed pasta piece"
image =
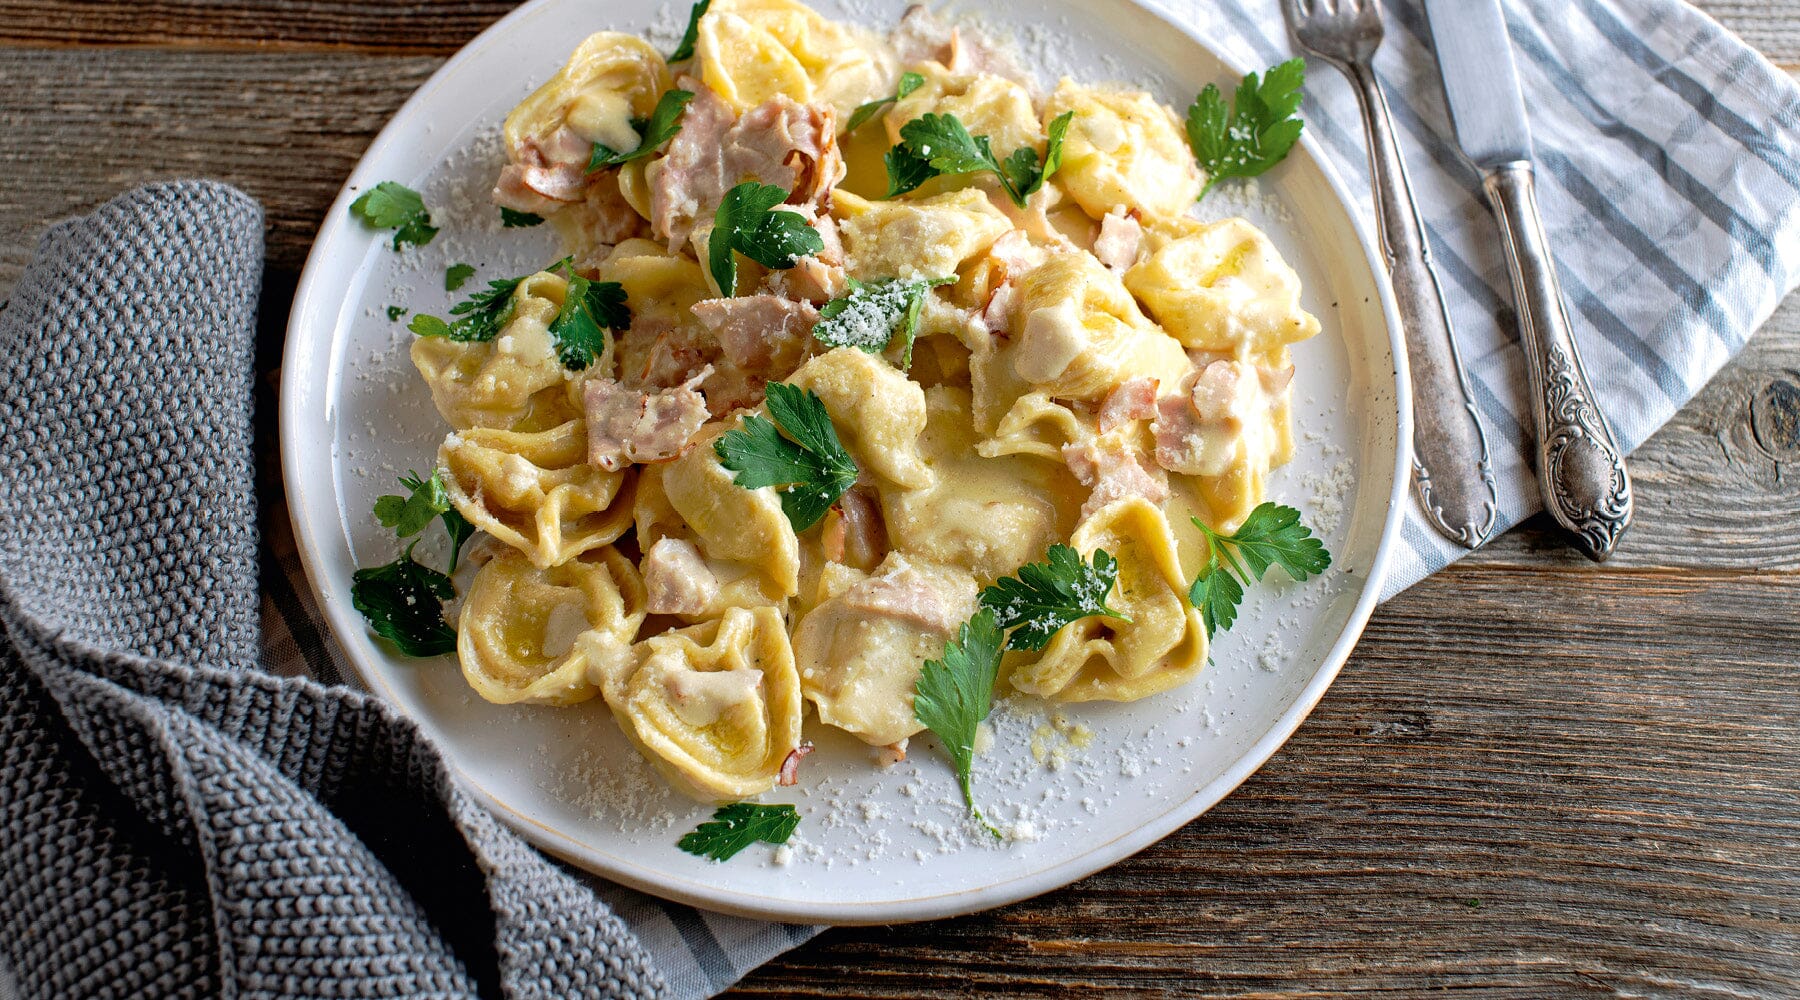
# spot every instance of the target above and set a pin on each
(715, 706)
(1163, 644)
(536, 635)
(511, 381)
(535, 491)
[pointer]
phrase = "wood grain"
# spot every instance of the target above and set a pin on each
(1471, 808)
(1536, 778)
(285, 127)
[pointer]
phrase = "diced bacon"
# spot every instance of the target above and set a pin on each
(781, 142)
(1121, 236)
(996, 315)
(1113, 470)
(677, 580)
(1197, 428)
(763, 334)
(628, 425)
(855, 533)
(1134, 399)
(891, 754)
(790, 766)
(546, 176)
(1016, 254)
(932, 598)
(603, 217)
(659, 353)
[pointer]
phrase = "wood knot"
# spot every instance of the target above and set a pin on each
(1775, 416)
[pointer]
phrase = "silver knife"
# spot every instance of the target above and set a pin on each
(1580, 470)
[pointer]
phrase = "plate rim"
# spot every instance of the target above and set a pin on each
(337, 615)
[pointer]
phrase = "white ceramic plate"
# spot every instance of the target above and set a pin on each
(873, 845)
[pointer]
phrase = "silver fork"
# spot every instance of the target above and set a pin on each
(1452, 472)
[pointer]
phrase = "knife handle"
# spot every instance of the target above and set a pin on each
(1580, 469)
(1452, 472)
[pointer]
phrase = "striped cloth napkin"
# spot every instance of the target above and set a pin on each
(1668, 174)
(1668, 169)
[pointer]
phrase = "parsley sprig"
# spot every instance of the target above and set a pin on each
(737, 826)
(909, 82)
(425, 499)
(685, 50)
(1255, 133)
(809, 466)
(1044, 596)
(934, 144)
(954, 695)
(390, 205)
(1271, 536)
(749, 222)
(403, 601)
(589, 308)
(660, 127)
(873, 313)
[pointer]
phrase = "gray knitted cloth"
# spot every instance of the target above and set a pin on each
(173, 822)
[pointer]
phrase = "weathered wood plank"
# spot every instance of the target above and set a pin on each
(1719, 484)
(397, 26)
(1472, 807)
(442, 27)
(84, 125)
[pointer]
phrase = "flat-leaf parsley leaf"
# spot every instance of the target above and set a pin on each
(513, 219)
(685, 50)
(873, 313)
(737, 826)
(657, 129)
(404, 603)
(909, 82)
(589, 308)
(934, 144)
(457, 275)
(389, 205)
(1271, 536)
(1045, 596)
(954, 695)
(749, 222)
(425, 499)
(1255, 133)
(809, 467)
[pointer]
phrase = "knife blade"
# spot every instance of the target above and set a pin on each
(1580, 469)
(1481, 82)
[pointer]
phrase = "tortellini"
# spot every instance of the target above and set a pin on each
(535, 491)
(536, 635)
(921, 238)
(715, 706)
(1111, 659)
(987, 105)
(1223, 288)
(1124, 149)
(988, 516)
(878, 412)
(741, 542)
(512, 381)
(751, 50)
(1080, 335)
(609, 80)
(860, 651)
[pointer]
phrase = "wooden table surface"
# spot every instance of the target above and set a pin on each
(1536, 777)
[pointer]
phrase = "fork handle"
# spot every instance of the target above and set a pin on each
(1580, 469)
(1452, 471)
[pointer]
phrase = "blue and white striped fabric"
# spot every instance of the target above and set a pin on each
(1668, 171)
(1668, 162)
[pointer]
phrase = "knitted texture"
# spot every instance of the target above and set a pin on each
(174, 822)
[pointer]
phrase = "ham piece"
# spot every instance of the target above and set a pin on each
(1112, 470)
(677, 580)
(629, 425)
(781, 142)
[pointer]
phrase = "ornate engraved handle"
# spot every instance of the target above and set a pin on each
(1580, 469)
(1451, 469)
